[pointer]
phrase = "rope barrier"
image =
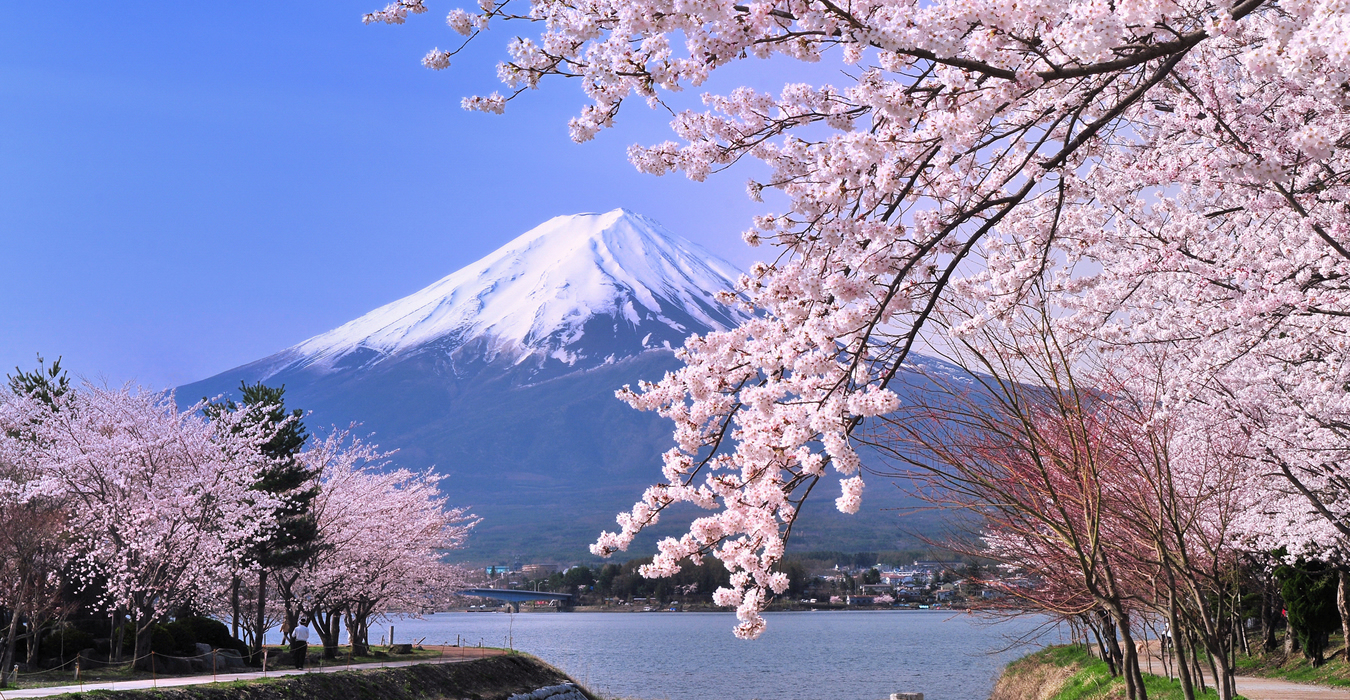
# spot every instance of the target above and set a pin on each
(119, 664)
(214, 658)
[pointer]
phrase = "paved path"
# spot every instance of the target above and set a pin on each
(449, 658)
(1254, 688)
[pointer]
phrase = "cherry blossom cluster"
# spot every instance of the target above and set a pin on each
(1192, 151)
(385, 532)
(154, 498)
(156, 505)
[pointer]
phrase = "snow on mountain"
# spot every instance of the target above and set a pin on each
(502, 376)
(585, 288)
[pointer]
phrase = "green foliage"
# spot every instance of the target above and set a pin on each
(67, 641)
(578, 576)
(295, 536)
(798, 577)
(1296, 668)
(184, 637)
(626, 582)
(871, 576)
(162, 640)
(604, 581)
(44, 383)
(1309, 591)
(1091, 679)
(204, 630)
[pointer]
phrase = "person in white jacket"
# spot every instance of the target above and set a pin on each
(300, 644)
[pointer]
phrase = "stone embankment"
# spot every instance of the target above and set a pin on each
(514, 677)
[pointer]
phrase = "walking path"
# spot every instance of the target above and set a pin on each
(1254, 688)
(146, 684)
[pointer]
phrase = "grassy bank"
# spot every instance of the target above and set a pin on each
(1296, 668)
(279, 658)
(1068, 672)
(493, 678)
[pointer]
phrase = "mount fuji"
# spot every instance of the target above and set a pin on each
(502, 375)
(575, 292)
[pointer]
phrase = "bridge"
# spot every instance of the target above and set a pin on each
(515, 597)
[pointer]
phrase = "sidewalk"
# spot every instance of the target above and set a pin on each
(11, 694)
(1254, 688)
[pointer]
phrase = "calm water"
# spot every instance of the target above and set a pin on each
(693, 656)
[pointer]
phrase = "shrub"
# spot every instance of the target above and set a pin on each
(212, 632)
(161, 640)
(184, 637)
(205, 630)
(67, 642)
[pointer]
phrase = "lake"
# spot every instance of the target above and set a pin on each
(841, 655)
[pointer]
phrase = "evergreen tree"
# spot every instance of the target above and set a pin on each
(45, 384)
(293, 539)
(1309, 591)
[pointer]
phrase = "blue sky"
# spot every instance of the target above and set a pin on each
(188, 187)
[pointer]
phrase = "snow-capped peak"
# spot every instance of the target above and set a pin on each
(550, 293)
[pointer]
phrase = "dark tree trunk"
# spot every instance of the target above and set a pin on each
(1128, 654)
(1270, 617)
(260, 618)
(1173, 630)
(329, 629)
(1113, 655)
(234, 606)
(119, 636)
(34, 640)
(1343, 605)
(1195, 661)
(11, 637)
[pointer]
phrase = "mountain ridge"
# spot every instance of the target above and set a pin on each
(541, 295)
(513, 396)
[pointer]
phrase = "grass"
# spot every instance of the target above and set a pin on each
(1077, 675)
(1335, 671)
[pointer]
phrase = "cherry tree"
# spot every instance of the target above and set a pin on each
(34, 532)
(1014, 436)
(153, 496)
(1116, 511)
(33, 555)
(971, 149)
(383, 533)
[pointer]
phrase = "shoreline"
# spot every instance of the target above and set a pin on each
(500, 676)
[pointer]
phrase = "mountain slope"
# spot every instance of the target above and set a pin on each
(573, 292)
(502, 375)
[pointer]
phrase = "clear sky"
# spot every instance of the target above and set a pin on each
(187, 187)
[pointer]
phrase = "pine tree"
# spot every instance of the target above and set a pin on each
(45, 384)
(293, 539)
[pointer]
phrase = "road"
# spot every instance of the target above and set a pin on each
(1254, 688)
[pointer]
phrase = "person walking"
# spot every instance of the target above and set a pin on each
(300, 644)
